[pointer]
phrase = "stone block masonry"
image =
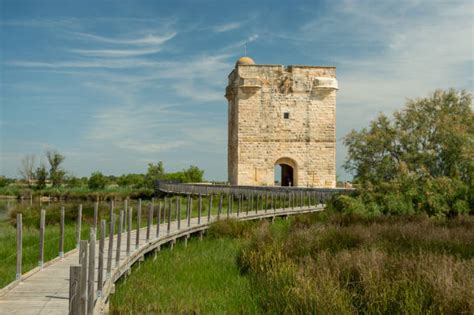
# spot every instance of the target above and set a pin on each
(281, 116)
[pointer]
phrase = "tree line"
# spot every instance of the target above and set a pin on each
(53, 174)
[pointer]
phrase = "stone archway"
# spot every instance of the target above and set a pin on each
(289, 171)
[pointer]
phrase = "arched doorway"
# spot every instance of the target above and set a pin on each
(285, 172)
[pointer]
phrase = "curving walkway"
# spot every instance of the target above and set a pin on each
(47, 291)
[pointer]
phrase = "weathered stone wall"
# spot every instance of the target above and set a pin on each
(260, 136)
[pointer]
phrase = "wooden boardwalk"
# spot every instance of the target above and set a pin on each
(47, 290)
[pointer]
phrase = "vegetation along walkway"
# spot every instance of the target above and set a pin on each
(64, 284)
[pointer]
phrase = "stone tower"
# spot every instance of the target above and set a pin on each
(281, 117)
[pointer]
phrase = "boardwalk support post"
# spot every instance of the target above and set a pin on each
(100, 271)
(139, 217)
(19, 244)
(61, 233)
(111, 246)
(91, 275)
(41, 238)
(119, 239)
(83, 277)
(74, 290)
(78, 225)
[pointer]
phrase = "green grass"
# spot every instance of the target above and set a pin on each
(200, 279)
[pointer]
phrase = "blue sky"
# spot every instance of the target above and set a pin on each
(114, 85)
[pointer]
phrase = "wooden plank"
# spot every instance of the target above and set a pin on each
(41, 238)
(19, 245)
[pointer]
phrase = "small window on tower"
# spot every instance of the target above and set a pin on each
(286, 115)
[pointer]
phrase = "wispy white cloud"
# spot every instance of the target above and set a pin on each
(227, 27)
(116, 53)
(90, 63)
(150, 39)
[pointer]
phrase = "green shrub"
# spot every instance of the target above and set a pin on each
(229, 228)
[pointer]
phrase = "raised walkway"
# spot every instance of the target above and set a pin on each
(47, 291)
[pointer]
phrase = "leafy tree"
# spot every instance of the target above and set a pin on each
(193, 174)
(56, 173)
(97, 181)
(4, 181)
(422, 160)
(41, 175)
(73, 181)
(154, 173)
(131, 180)
(430, 137)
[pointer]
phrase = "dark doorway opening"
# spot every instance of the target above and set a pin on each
(287, 175)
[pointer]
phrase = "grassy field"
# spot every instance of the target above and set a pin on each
(319, 263)
(200, 279)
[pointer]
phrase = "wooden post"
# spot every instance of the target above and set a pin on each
(19, 244)
(158, 220)
(100, 275)
(91, 275)
(61, 233)
(129, 230)
(178, 211)
(219, 210)
(168, 228)
(228, 205)
(139, 220)
(247, 197)
(78, 226)
(111, 245)
(41, 238)
(125, 214)
(199, 208)
(251, 201)
(190, 209)
(74, 290)
(119, 239)
(96, 214)
(256, 203)
(83, 279)
(210, 209)
(266, 202)
(149, 221)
